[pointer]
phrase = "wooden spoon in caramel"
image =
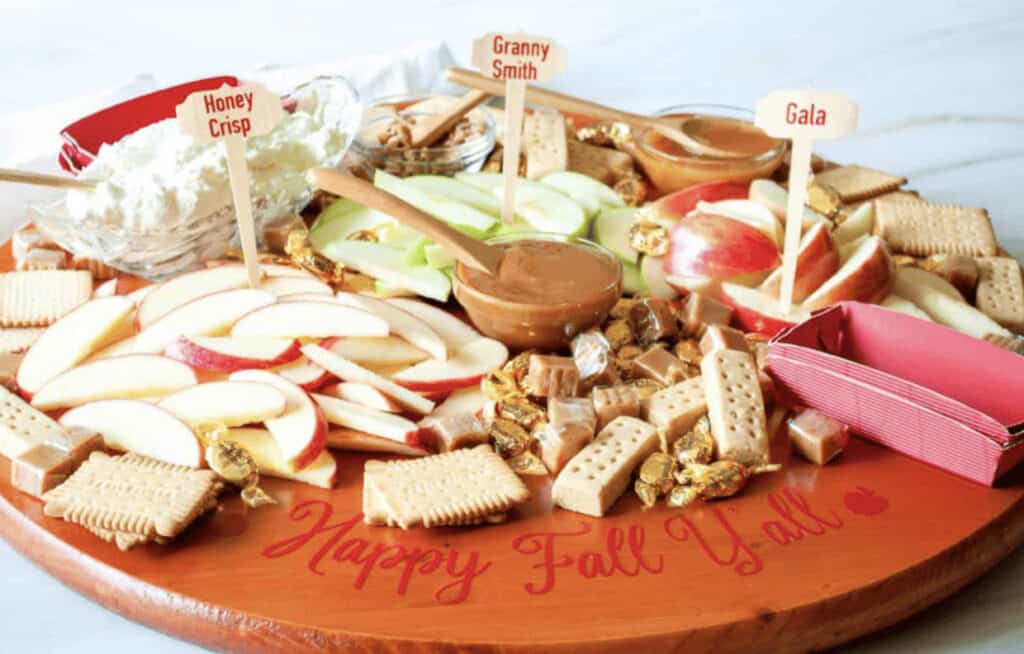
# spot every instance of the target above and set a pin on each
(465, 249)
(430, 130)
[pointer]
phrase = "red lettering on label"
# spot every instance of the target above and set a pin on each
(740, 556)
(813, 115)
(369, 557)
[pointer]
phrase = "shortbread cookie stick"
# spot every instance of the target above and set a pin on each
(674, 410)
(599, 474)
(735, 407)
(22, 427)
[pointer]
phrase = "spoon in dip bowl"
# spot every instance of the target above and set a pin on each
(42, 179)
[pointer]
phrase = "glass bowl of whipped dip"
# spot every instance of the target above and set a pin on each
(163, 200)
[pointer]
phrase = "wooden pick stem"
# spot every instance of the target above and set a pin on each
(469, 251)
(41, 179)
(571, 104)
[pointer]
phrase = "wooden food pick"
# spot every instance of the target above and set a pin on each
(567, 103)
(465, 249)
(430, 130)
(42, 179)
(803, 116)
(515, 59)
(232, 114)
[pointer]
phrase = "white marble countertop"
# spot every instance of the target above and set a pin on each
(940, 98)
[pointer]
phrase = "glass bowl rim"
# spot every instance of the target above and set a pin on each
(483, 141)
(713, 109)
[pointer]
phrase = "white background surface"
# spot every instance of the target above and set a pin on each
(940, 98)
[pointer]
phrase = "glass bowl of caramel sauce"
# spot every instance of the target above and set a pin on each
(671, 166)
(549, 287)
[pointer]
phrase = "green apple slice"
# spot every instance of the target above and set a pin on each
(437, 257)
(388, 265)
(463, 217)
(633, 281)
(547, 209)
(611, 229)
(453, 189)
(342, 218)
(587, 191)
(482, 180)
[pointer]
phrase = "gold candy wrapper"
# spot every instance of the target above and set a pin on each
(632, 190)
(232, 463)
(647, 493)
(606, 135)
(519, 365)
(695, 446)
(687, 350)
(719, 479)
(619, 334)
(527, 463)
(304, 256)
(521, 411)
(354, 282)
(622, 308)
(368, 235)
(681, 496)
(499, 385)
(658, 470)
(824, 199)
(649, 238)
(255, 497)
(508, 437)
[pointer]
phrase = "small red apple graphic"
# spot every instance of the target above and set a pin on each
(864, 501)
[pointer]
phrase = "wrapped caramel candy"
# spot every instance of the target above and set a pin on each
(232, 463)
(824, 199)
(521, 411)
(902, 260)
(653, 320)
(519, 366)
(592, 354)
(658, 470)
(606, 134)
(647, 493)
(304, 256)
(368, 235)
(632, 189)
(648, 237)
(687, 350)
(499, 385)
(618, 333)
(276, 233)
(695, 446)
(681, 496)
(527, 463)
(622, 308)
(719, 479)
(509, 438)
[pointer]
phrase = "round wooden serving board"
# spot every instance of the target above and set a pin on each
(804, 559)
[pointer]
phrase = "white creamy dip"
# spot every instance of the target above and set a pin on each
(159, 178)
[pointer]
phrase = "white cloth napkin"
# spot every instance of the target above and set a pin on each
(31, 139)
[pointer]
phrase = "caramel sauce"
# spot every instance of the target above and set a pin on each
(731, 134)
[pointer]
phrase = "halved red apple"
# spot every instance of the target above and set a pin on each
(379, 423)
(756, 311)
(353, 440)
(227, 354)
(301, 431)
(466, 367)
(720, 248)
(816, 261)
(867, 276)
(309, 319)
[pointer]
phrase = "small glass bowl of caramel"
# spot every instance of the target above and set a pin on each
(671, 166)
(549, 287)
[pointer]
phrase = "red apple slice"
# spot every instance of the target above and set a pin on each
(284, 287)
(233, 403)
(680, 203)
(309, 319)
(756, 311)
(720, 248)
(227, 354)
(139, 427)
(867, 276)
(756, 215)
(116, 349)
(379, 423)
(363, 394)
(469, 400)
(210, 315)
(401, 322)
(816, 261)
(300, 432)
(385, 351)
(685, 285)
(454, 332)
(352, 372)
(70, 340)
(353, 440)
(322, 471)
(466, 368)
(304, 373)
(129, 376)
(775, 198)
(174, 292)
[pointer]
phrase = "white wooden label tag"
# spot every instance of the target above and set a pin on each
(804, 116)
(516, 58)
(232, 114)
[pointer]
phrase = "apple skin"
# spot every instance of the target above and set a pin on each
(870, 282)
(316, 444)
(754, 311)
(817, 260)
(682, 202)
(719, 248)
(187, 351)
